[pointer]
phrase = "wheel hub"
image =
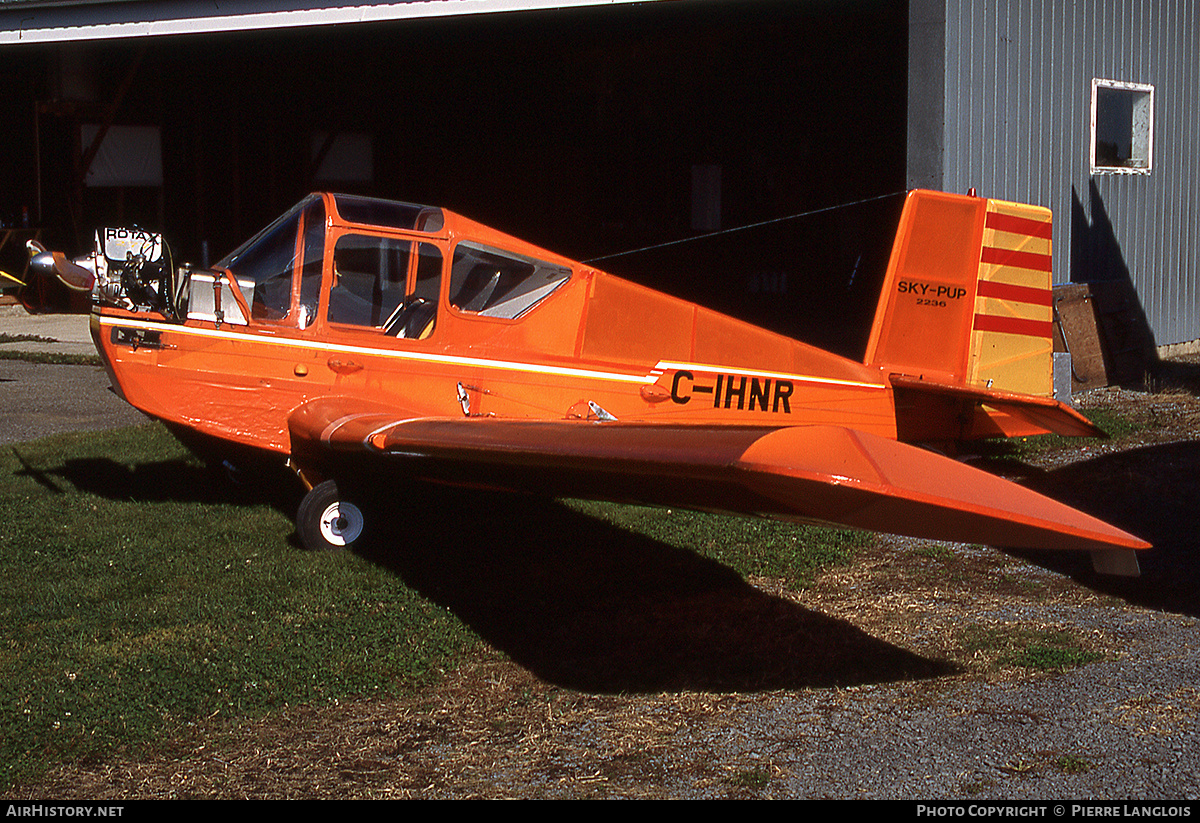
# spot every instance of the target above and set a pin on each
(341, 523)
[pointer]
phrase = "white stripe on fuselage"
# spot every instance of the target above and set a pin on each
(480, 362)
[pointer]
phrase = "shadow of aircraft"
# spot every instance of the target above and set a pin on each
(1153, 492)
(591, 606)
(575, 600)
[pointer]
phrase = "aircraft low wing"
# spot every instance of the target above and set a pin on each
(820, 474)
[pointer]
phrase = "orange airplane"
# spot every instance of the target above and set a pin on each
(357, 338)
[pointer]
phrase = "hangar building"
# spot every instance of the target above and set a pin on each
(610, 130)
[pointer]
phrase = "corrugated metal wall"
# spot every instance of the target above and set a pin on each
(1017, 125)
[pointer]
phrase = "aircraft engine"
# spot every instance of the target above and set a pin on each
(133, 270)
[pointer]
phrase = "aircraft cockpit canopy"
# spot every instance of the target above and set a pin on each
(377, 276)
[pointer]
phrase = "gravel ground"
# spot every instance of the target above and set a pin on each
(899, 677)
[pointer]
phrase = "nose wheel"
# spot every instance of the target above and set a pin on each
(326, 520)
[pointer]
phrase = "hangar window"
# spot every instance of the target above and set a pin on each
(1122, 127)
(495, 283)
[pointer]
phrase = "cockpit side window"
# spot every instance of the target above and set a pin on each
(388, 284)
(494, 283)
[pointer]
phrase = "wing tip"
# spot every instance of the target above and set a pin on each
(888, 486)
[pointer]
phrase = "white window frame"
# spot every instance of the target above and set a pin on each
(1141, 159)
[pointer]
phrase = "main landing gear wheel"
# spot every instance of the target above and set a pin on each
(327, 521)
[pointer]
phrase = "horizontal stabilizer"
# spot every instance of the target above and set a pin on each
(1043, 413)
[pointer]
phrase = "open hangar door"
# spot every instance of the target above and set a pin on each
(591, 131)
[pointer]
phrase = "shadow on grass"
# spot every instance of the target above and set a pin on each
(587, 605)
(575, 600)
(181, 480)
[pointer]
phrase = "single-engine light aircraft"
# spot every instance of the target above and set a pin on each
(356, 338)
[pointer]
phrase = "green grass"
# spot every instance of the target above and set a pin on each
(750, 546)
(126, 619)
(1054, 656)
(1042, 649)
(5, 337)
(139, 600)
(52, 358)
(1073, 764)
(754, 778)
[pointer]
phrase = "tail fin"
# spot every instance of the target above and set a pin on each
(967, 310)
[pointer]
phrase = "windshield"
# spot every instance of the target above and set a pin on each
(265, 265)
(268, 237)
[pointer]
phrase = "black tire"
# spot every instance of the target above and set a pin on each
(326, 521)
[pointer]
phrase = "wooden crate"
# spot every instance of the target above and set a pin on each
(1103, 328)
